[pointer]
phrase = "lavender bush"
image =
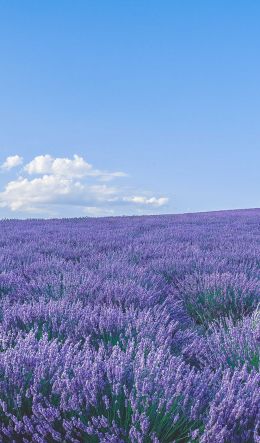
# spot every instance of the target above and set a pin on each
(131, 329)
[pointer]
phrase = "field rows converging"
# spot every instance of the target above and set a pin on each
(131, 329)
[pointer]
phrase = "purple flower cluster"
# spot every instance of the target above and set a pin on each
(131, 329)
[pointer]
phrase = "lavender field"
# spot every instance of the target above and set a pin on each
(131, 329)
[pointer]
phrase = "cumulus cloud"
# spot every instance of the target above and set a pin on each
(49, 183)
(24, 194)
(63, 167)
(76, 167)
(11, 162)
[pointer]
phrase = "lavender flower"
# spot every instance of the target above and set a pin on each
(130, 329)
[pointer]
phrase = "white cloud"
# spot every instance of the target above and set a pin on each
(63, 182)
(24, 194)
(63, 167)
(76, 167)
(152, 201)
(11, 162)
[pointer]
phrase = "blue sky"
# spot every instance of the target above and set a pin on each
(165, 94)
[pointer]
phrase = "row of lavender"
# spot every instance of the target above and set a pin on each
(137, 329)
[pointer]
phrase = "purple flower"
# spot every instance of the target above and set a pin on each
(130, 329)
